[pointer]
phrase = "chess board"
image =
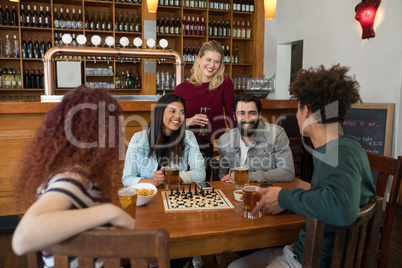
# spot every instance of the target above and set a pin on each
(210, 200)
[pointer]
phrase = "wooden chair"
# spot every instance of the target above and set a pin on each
(215, 169)
(386, 166)
(361, 243)
(134, 247)
(289, 123)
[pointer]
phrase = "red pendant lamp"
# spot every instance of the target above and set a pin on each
(365, 14)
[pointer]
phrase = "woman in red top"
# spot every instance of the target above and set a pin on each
(208, 87)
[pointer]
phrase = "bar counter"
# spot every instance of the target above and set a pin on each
(19, 121)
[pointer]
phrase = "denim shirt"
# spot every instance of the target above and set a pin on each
(269, 157)
(138, 165)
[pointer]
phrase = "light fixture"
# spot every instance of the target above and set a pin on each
(152, 6)
(14, 0)
(270, 8)
(365, 14)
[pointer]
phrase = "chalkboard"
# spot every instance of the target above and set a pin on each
(371, 124)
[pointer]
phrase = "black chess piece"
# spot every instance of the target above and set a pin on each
(183, 192)
(171, 192)
(213, 190)
(189, 188)
(196, 191)
(177, 192)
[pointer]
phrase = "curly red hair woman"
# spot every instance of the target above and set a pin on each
(72, 164)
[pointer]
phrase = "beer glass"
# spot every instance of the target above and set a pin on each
(240, 171)
(128, 200)
(206, 111)
(172, 179)
(250, 199)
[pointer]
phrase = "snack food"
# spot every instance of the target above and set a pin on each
(145, 192)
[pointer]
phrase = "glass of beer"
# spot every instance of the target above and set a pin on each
(250, 199)
(240, 176)
(172, 179)
(206, 111)
(128, 200)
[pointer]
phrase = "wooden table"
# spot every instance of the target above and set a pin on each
(213, 232)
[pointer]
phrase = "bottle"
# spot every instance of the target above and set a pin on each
(172, 26)
(224, 28)
(202, 27)
(68, 20)
(177, 29)
(126, 23)
(92, 21)
(32, 79)
(116, 22)
(86, 20)
(4, 78)
(243, 30)
(121, 23)
(220, 32)
(12, 83)
(98, 22)
(38, 79)
(56, 39)
(128, 80)
(252, 6)
(248, 30)
(29, 16)
(236, 56)
(184, 53)
(167, 26)
(14, 17)
(118, 81)
(9, 52)
(215, 29)
(79, 20)
(103, 22)
(41, 17)
(109, 26)
(48, 18)
(62, 22)
(36, 48)
(42, 48)
(238, 34)
(35, 20)
(2, 14)
(48, 44)
(24, 48)
(1, 49)
(210, 28)
(132, 79)
(56, 21)
(227, 55)
(162, 26)
(22, 16)
(7, 16)
(27, 79)
(18, 79)
(123, 80)
(138, 26)
(227, 28)
(197, 28)
(74, 21)
(16, 47)
(157, 24)
(137, 81)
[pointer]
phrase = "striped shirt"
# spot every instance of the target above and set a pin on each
(80, 195)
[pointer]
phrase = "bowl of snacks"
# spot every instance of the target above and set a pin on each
(238, 195)
(145, 192)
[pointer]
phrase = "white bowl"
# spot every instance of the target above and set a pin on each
(238, 195)
(142, 200)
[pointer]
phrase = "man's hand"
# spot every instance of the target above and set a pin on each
(269, 201)
(159, 177)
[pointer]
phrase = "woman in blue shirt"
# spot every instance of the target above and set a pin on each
(165, 142)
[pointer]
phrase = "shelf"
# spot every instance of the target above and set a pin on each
(127, 5)
(98, 75)
(7, 27)
(219, 12)
(129, 33)
(94, 3)
(32, 59)
(98, 31)
(167, 8)
(10, 58)
(68, 30)
(195, 36)
(242, 39)
(242, 14)
(44, 29)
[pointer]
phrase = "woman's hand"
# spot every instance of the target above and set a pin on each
(121, 219)
(159, 177)
(197, 120)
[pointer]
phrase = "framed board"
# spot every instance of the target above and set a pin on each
(372, 125)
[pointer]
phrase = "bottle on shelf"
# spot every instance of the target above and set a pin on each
(177, 28)
(27, 79)
(103, 22)
(41, 17)
(62, 21)
(86, 20)
(28, 16)
(48, 18)
(128, 81)
(56, 39)
(16, 47)
(22, 16)
(109, 25)
(36, 48)
(157, 24)
(172, 26)
(38, 79)
(92, 21)
(248, 30)
(98, 22)
(2, 14)
(167, 26)
(118, 81)
(32, 79)
(35, 20)
(14, 17)
(7, 16)
(42, 47)
(132, 79)
(74, 21)
(1, 48)
(252, 6)
(162, 26)
(126, 23)
(67, 23)
(137, 81)
(12, 76)
(191, 27)
(8, 49)
(79, 20)
(24, 53)
(121, 22)
(17, 79)
(56, 21)
(123, 80)
(4, 78)
(48, 44)
(227, 55)
(243, 30)
(236, 56)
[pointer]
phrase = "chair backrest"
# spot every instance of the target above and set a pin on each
(386, 166)
(134, 247)
(290, 125)
(215, 169)
(362, 239)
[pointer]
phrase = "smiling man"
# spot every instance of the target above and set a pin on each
(263, 147)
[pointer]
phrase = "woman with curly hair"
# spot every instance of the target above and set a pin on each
(69, 170)
(208, 87)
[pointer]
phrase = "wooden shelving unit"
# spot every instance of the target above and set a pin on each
(250, 50)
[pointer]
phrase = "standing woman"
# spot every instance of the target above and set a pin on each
(166, 141)
(208, 87)
(68, 172)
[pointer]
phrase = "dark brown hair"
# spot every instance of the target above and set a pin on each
(81, 134)
(328, 91)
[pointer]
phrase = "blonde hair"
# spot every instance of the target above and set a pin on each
(218, 77)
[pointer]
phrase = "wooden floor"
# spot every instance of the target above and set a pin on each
(9, 259)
